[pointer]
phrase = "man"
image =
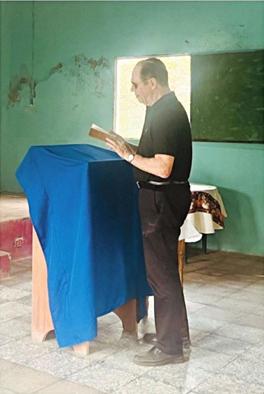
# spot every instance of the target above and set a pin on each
(162, 164)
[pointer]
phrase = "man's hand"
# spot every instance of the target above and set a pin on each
(119, 145)
(159, 165)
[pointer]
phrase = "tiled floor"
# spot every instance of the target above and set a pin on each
(224, 294)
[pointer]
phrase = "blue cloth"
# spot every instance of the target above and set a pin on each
(83, 203)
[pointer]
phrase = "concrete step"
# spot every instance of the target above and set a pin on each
(15, 230)
(16, 238)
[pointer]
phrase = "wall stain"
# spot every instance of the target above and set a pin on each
(56, 68)
(79, 66)
(81, 61)
(18, 83)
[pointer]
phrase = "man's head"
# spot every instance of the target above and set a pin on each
(149, 80)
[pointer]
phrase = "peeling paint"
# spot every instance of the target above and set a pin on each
(80, 67)
(18, 82)
(87, 71)
(82, 61)
(56, 68)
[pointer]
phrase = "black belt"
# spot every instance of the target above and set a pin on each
(156, 185)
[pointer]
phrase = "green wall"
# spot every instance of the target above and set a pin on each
(68, 49)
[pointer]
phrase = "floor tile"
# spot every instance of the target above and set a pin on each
(224, 384)
(17, 279)
(220, 311)
(182, 378)
(221, 344)
(12, 294)
(215, 290)
(237, 306)
(25, 350)
(223, 293)
(245, 295)
(246, 370)
(16, 328)
(196, 335)
(114, 333)
(202, 298)
(26, 318)
(27, 300)
(146, 385)
(104, 377)
(21, 379)
(193, 306)
(4, 339)
(66, 387)
(257, 287)
(64, 362)
(6, 365)
(12, 309)
(113, 371)
(6, 391)
(243, 279)
(250, 320)
(208, 360)
(25, 286)
(205, 324)
(255, 354)
(236, 331)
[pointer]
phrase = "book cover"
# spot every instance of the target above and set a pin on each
(98, 133)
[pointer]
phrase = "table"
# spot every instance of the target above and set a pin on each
(83, 204)
(207, 213)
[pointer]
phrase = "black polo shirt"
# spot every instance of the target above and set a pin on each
(166, 131)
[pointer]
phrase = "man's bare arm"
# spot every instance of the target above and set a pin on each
(159, 165)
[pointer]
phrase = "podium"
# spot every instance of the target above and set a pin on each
(87, 247)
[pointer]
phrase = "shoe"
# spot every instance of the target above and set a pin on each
(152, 339)
(155, 357)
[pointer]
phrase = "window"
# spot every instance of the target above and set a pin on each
(129, 114)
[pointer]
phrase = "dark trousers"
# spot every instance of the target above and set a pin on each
(162, 213)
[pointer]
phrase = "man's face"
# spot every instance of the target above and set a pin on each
(142, 90)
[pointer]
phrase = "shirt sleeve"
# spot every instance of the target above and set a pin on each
(165, 134)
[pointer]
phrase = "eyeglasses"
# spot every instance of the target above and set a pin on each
(135, 85)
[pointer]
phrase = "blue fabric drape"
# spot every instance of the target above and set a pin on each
(84, 207)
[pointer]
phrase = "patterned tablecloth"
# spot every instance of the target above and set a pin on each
(206, 214)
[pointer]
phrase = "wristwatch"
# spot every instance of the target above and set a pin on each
(130, 158)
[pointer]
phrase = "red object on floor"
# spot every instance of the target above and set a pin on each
(16, 238)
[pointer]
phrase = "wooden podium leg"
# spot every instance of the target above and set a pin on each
(128, 315)
(82, 348)
(41, 318)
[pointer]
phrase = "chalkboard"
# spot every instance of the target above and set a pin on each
(227, 97)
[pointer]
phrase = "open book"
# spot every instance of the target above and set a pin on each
(97, 132)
